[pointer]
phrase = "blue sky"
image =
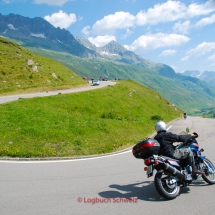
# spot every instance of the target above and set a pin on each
(179, 33)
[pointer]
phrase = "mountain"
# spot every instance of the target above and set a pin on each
(114, 50)
(188, 93)
(112, 60)
(37, 32)
(117, 52)
(194, 73)
(207, 76)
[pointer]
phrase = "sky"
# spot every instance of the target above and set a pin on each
(179, 33)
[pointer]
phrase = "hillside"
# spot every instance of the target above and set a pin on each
(112, 60)
(23, 71)
(84, 123)
(187, 93)
(38, 33)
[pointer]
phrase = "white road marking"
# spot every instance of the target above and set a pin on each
(169, 127)
(66, 160)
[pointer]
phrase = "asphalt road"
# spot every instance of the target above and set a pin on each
(4, 99)
(102, 185)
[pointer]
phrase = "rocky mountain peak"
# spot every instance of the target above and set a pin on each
(114, 47)
(37, 32)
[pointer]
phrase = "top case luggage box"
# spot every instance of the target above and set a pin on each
(145, 148)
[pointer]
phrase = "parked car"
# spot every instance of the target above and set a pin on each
(105, 78)
(96, 82)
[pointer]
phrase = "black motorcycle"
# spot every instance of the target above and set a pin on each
(172, 174)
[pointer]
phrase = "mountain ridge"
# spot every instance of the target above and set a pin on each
(38, 32)
(112, 60)
(207, 76)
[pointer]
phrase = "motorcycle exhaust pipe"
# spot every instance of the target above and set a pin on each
(173, 170)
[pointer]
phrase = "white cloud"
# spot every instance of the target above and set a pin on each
(51, 2)
(166, 12)
(86, 30)
(100, 41)
(109, 24)
(206, 21)
(169, 11)
(212, 57)
(7, 1)
(168, 52)
(80, 18)
(201, 9)
(159, 40)
(172, 11)
(185, 58)
(127, 34)
(61, 19)
(200, 50)
(182, 27)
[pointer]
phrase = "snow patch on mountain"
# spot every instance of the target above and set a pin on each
(38, 35)
(12, 27)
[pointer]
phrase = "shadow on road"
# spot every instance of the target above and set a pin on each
(200, 183)
(144, 191)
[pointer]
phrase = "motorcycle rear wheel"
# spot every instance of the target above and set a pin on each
(164, 187)
(208, 176)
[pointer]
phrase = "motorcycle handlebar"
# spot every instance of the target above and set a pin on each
(189, 141)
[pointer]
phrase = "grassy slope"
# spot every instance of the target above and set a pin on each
(77, 124)
(85, 123)
(16, 75)
(187, 95)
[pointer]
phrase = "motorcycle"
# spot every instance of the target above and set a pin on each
(173, 174)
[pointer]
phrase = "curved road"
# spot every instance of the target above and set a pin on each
(102, 185)
(4, 99)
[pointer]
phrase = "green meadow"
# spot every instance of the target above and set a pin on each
(86, 123)
(17, 76)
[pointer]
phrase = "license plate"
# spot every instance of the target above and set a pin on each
(149, 170)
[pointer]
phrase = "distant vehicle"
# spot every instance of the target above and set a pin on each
(86, 79)
(96, 82)
(105, 78)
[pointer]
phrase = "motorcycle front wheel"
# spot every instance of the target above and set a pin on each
(209, 169)
(166, 186)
